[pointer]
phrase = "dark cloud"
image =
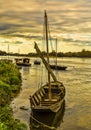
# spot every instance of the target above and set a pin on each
(27, 37)
(67, 15)
(76, 42)
(24, 19)
(8, 26)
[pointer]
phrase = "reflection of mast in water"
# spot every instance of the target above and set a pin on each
(43, 121)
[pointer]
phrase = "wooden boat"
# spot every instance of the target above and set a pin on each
(49, 97)
(23, 62)
(56, 66)
(37, 62)
(46, 121)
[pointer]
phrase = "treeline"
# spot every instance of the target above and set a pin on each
(10, 85)
(83, 53)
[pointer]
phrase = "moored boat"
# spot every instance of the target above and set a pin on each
(46, 121)
(58, 67)
(49, 97)
(37, 62)
(22, 61)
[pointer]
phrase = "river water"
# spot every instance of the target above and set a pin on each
(77, 81)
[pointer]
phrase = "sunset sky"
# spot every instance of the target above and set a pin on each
(21, 23)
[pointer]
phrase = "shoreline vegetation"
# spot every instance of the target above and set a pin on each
(82, 54)
(10, 86)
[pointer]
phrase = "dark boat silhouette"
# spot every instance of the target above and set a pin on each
(49, 98)
(44, 121)
(22, 61)
(56, 66)
(37, 62)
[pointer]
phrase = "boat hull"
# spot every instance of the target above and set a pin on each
(23, 64)
(52, 109)
(58, 67)
(41, 103)
(37, 62)
(47, 120)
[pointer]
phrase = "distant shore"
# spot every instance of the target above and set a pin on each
(82, 54)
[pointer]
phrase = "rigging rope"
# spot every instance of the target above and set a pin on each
(49, 35)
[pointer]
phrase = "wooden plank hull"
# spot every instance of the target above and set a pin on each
(40, 101)
(51, 109)
(47, 120)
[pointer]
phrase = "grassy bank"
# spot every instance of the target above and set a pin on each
(10, 85)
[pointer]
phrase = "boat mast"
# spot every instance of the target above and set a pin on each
(56, 53)
(47, 47)
(45, 62)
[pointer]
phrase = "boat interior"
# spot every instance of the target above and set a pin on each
(41, 97)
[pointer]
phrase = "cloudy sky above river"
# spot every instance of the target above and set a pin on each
(21, 23)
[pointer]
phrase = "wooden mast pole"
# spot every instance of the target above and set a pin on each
(45, 62)
(47, 47)
(56, 53)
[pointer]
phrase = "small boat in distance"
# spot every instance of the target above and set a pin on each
(50, 96)
(56, 66)
(37, 62)
(22, 61)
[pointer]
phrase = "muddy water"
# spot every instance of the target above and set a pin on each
(77, 81)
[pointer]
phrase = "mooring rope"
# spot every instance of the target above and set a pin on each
(50, 127)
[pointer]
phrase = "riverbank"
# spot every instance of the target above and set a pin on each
(10, 85)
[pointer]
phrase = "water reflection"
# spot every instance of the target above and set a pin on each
(45, 121)
(25, 70)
